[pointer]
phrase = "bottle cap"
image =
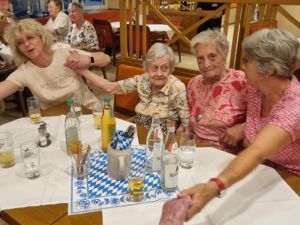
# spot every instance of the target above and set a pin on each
(70, 101)
(107, 98)
(156, 114)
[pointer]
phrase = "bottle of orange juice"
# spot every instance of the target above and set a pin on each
(108, 124)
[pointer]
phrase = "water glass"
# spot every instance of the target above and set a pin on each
(136, 180)
(30, 154)
(187, 150)
(97, 115)
(7, 158)
(34, 109)
(77, 106)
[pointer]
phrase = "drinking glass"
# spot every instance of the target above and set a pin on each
(136, 180)
(81, 162)
(187, 150)
(97, 115)
(31, 159)
(7, 158)
(77, 106)
(34, 109)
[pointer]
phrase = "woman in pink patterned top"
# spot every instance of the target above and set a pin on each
(217, 97)
(272, 130)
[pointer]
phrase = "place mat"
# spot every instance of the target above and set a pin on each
(99, 192)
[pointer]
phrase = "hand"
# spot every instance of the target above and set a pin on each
(77, 61)
(233, 134)
(174, 211)
(201, 194)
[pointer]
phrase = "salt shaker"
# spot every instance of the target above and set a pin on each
(44, 137)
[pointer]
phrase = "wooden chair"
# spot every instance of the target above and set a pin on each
(4, 73)
(125, 104)
(151, 38)
(112, 38)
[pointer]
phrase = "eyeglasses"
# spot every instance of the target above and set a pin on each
(155, 68)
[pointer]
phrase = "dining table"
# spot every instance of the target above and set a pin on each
(265, 196)
(158, 28)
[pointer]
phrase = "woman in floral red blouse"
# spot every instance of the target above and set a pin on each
(217, 96)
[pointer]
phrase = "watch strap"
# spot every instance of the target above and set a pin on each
(92, 59)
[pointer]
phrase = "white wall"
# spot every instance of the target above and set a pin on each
(285, 24)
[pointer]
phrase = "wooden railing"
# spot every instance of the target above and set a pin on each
(242, 22)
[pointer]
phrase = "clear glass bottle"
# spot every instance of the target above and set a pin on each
(108, 124)
(72, 128)
(154, 146)
(169, 162)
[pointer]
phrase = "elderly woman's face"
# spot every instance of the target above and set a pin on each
(159, 72)
(73, 14)
(29, 45)
(252, 76)
(53, 9)
(210, 61)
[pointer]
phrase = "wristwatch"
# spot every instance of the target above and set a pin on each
(92, 59)
(221, 186)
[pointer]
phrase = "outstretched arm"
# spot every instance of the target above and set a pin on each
(105, 85)
(77, 61)
(7, 88)
(269, 140)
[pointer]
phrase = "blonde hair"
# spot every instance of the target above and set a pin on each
(30, 26)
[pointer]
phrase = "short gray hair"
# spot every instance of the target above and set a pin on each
(159, 50)
(77, 6)
(276, 51)
(31, 26)
(211, 36)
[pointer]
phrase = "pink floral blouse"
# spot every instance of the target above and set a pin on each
(217, 106)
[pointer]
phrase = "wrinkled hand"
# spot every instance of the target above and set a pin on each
(175, 211)
(233, 135)
(76, 61)
(201, 194)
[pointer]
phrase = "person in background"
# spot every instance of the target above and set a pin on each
(158, 89)
(205, 8)
(82, 34)
(44, 70)
(272, 132)
(58, 23)
(217, 96)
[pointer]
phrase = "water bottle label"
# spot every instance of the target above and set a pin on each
(157, 149)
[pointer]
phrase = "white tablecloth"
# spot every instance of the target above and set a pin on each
(53, 186)
(261, 198)
(153, 28)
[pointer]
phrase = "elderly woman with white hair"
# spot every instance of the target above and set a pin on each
(217, 96)
(82, 34)
(59, 22)
(158, 90)
(273, 120)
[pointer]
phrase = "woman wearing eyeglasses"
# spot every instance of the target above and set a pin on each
(158, 90)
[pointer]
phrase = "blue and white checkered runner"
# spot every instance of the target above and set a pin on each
(98, 191)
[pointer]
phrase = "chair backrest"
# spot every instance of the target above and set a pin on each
(140, 35)
(101, 34)
(106, 26)
(126, 103)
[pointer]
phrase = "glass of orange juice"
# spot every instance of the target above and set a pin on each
(7, 158)
(34, 109)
